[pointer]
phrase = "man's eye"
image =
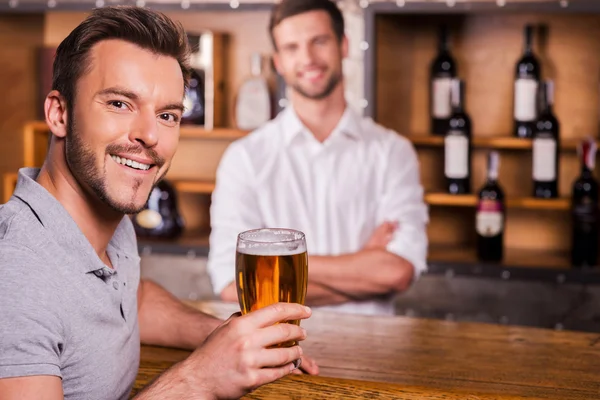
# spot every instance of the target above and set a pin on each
(169, 117)
(117, 104)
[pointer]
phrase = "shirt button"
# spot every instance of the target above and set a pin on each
(98, 273)
(116, 285)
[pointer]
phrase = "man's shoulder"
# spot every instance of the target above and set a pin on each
(20, 231)
(16, 219)
(378, 133)
(259, 138)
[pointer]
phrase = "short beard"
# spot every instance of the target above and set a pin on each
(81, 162)
(335, 79)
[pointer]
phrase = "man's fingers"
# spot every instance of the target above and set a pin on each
(279, 356)
(279, 333)
(268, 375)
(309, 365)
(279, 312)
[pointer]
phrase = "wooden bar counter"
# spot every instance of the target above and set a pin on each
(408, 358)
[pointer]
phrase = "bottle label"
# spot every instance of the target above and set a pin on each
(456, 156)
(585, 215)
(525, 99)
(148, 219)
(440, 104)
(489, 220)
(544, 159)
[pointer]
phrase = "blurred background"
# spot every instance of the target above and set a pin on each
(500, 98)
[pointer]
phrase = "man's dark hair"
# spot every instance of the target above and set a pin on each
(150, 30)
(290, 8)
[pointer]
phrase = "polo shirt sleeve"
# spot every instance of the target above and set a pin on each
(233, 210)
(402, 201)
(30, 328)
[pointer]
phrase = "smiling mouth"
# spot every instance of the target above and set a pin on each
(131, 164)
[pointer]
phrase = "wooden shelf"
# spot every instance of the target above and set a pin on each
(491, 142)
(197, 132)
(187, 131)
(513, 258)
(470, 200)
(188, 186)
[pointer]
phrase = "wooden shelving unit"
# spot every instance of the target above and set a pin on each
(486, 42)
(513, 257)
(199, 187)
(491, 142)
(530, 203)
(192, 132)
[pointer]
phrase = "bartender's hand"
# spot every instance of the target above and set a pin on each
(235, 359)
(382, 235)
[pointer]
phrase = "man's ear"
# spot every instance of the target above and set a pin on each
(55, 109)
(276, 62)
(345, 46)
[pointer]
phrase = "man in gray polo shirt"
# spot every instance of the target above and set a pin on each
(72, 308)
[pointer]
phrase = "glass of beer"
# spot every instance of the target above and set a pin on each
(271, 266)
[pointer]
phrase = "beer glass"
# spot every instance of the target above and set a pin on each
(271, 266)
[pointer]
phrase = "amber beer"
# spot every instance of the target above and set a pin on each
(271, 266)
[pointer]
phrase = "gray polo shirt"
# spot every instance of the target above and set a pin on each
(62, 311)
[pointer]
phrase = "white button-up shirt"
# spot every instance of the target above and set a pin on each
(336, 192)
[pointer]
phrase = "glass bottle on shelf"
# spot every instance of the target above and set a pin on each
(527, 78)
(584, 210)
(546, 144)
(160, 217)
(457, 144)
(253, 106)
(490, 215)
(442, 70)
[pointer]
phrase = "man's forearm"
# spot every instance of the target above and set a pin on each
(166, 321)
(362, 274)
(174, 384)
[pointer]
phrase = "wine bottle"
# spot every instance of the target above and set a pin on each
(584, 209)
(527, 77)
(490, 215)
(160, 217)
(457, 143)
(253, 106)
(194, 101)
(546, 144)
(443, 69)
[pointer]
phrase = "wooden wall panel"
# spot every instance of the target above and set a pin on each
(20, 37)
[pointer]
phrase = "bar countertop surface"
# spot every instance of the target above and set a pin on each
(409, 358)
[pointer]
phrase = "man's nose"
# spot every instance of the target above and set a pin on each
(145, 130)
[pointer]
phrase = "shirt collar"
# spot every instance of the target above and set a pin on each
(61, 226)
(348, 125)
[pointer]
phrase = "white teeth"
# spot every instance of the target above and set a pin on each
(130, 163)
(312, 74)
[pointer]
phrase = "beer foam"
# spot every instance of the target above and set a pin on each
(274, 249)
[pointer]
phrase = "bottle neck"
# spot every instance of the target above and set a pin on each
(256, 65)
(587, 154)
(443, 46)
(528, 40)
(493, 164)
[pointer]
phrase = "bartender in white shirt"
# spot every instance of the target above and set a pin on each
(350, 185)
